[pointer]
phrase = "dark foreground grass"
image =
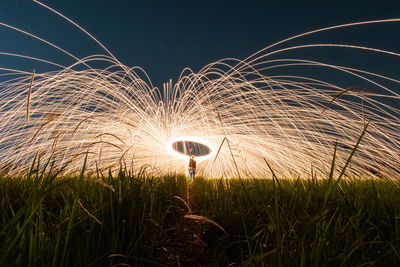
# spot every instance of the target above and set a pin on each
(129, 220)
(288, 224)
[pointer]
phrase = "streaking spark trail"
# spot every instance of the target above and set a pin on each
(270, 107)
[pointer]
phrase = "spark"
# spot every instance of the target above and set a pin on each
(251, 110)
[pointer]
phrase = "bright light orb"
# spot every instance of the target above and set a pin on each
(185, 146)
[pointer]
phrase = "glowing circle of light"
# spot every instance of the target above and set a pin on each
(193, 139)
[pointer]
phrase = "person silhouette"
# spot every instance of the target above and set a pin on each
(192, 168)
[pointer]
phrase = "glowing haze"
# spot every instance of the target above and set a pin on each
(247, 112)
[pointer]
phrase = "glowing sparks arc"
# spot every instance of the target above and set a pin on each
(265, 108)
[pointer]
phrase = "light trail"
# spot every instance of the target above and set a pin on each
(115, 116)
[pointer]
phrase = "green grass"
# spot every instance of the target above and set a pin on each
(290, 224)
(82, 221)
(139, 220)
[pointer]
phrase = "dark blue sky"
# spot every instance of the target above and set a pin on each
(163, 37)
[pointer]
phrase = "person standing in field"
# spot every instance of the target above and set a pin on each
(192, 168)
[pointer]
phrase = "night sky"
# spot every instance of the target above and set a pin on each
(164, 37)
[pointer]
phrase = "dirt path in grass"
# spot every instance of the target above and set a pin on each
(185, 245)
(189, 191)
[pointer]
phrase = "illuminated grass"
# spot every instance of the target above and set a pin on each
(359, 225)
(144, 220)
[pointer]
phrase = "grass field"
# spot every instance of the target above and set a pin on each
(139, 220)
